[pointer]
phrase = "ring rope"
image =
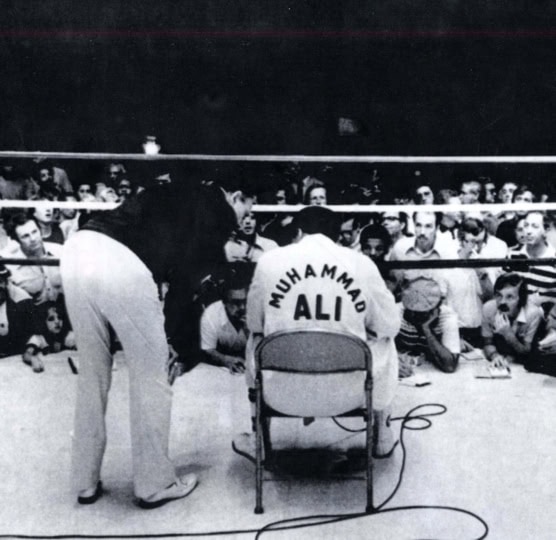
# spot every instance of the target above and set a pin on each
(302, 158)
(92, 205)
(387, 265)
(494, 208)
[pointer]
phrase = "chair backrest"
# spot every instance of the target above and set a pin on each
(313, 351)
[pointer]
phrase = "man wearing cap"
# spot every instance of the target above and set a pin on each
(429, 328)
(317, 284)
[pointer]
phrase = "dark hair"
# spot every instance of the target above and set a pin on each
(48, 191)
(480, 188)
(512, 280)
(545, 218)
(234, 177)
(358, 219)
(375, 231)
(473, 226)
(317, 219)
(42, 327)
(521, 190)
(41, 165)
(65, 195)
(443, 195)
(317, 184)
(120, 166)
(402, 216)
(125, 179)
(423, 184)
(235, 277)
(14, 220)
(289, 191)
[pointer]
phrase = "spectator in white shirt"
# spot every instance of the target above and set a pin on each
(42, 283)
(223, 330)
(248, 245)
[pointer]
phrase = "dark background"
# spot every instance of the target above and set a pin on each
(421, 78)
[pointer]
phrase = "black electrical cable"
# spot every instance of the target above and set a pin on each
(311, 520)
(332, 518)
(349, 430)
(405, 421)
(335, 518)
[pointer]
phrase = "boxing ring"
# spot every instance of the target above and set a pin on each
(491, 453)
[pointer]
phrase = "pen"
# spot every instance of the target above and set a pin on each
(72, 365)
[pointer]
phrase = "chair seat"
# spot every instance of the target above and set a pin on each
(314, 394)
(311, 373)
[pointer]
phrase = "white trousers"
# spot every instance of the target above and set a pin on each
(105, 282)
(303, 394)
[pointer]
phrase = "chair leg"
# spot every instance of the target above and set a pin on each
(267, 443)
(259, 449)
(369, 432)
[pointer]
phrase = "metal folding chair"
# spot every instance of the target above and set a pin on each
(311, 352)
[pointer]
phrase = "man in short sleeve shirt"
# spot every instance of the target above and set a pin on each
(223, 330)
(510, 321)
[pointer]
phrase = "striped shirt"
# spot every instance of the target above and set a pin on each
(445, 328)
(541, 280)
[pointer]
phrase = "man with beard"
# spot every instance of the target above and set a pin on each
(425, 244)
(510, 321)
(223, 330)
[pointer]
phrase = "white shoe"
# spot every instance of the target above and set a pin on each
(180, 488)
(245, 444)
(91, 495)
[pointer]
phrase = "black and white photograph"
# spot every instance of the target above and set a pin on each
(278, 269)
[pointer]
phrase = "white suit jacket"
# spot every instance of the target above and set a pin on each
(316, 283)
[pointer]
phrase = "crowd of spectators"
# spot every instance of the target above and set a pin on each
(33, 319)
(503, 311)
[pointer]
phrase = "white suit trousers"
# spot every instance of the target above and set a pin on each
(105, 282)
